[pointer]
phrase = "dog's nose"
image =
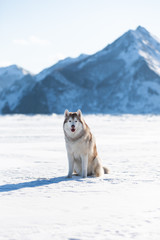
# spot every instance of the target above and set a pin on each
(72, 126)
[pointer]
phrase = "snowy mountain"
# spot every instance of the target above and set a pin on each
(124, 77)
(14, 82)
(10, 74)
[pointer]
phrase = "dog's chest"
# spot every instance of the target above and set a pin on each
(77, 148)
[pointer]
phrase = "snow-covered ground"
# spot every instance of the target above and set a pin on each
(38, 202)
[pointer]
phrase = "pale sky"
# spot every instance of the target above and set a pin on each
(35, 34)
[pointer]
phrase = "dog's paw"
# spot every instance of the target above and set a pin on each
(84, 176)
(69, 176)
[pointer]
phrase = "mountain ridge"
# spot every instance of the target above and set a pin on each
(123, 77)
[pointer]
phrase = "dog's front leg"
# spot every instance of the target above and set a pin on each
(71, 165)
(84, 166)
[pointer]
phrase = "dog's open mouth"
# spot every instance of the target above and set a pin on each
(73, 129)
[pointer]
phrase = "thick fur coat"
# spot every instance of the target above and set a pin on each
(81, 147)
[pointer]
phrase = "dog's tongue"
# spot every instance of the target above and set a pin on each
(72, 129)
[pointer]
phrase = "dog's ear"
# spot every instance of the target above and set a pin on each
(66, 113)
(79, 113)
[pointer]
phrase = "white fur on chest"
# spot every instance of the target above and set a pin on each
(77, 149)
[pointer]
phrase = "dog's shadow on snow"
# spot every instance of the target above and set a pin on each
(36, 183)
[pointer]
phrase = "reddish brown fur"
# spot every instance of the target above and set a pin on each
(80, 146)
(95, 151)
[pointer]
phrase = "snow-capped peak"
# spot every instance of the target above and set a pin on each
(141, 30)
(10, 74)
(13, 70)
(148, 48)
(135, 44)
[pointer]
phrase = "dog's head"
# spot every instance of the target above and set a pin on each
(73, 122)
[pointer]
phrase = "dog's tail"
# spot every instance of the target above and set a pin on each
(106, 170)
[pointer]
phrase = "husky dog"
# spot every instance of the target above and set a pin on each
(81, 148)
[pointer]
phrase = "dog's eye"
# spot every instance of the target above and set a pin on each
(76, 121)
(69, 120)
